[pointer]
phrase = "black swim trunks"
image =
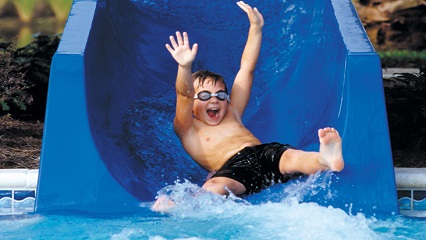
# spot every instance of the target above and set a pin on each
(256, 167)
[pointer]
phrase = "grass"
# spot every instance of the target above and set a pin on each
(25, 9)
(403, 58)
(60, 8)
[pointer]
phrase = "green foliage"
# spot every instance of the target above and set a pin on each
(406, 105)
(403, 58)
(25, 9)
(61, 8)
(27, 69)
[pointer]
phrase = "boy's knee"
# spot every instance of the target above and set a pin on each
(222, 185)
(289, 160)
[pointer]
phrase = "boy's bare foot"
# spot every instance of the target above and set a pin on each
(331, 149)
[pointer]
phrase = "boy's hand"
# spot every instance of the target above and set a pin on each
(181, 51)
(255, 17)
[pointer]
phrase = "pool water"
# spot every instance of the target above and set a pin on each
(279, 214)
(201, 215)
(266, 221)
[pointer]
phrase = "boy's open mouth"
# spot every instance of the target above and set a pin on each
(213, 112)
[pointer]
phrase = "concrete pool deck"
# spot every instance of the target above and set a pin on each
(26, 179)
(392, 72)
(18, 179)
(414, 178)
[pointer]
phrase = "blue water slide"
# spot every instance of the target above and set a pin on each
(108, 141)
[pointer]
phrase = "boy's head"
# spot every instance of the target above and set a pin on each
(211, 98)
(203, 76)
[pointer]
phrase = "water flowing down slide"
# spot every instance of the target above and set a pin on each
(109, 143)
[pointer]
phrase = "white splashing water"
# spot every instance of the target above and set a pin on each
(234, 218)
(198, 214)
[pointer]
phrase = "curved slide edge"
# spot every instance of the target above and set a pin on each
(72, 175)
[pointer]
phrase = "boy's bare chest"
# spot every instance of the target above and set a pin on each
(219, 133)
(222, 140)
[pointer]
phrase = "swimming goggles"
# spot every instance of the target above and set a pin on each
(206, 95)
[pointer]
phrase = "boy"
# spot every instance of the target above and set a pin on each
(208, 123)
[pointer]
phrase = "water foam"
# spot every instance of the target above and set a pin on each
(289, 218)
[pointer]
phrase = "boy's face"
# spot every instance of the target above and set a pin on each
(213, 110)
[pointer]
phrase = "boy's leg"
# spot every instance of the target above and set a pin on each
(328, 157)
(217, 185)
(163, 204)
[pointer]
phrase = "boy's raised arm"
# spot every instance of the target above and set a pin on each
(184, 56)
(241, 89)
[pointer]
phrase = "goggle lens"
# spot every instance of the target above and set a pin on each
(206, 95)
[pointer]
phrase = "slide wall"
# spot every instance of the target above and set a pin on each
(109, 143)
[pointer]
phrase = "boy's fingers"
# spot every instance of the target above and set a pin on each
(194, 48)
(173, 42)
(245, 5)
(185, 38)
(170, 49)
(242, 5)
(179, 38)
(258, 14)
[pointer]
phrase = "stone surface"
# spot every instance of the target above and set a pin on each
(394, 24)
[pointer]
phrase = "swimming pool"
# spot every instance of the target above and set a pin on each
(208, 216)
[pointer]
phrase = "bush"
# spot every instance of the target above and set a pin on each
(403, 58)
(26, 72)
(406, 106)
(13, 82)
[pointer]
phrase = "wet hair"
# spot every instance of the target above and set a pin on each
(203, 75)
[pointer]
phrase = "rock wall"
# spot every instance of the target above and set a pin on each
(394, 24)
